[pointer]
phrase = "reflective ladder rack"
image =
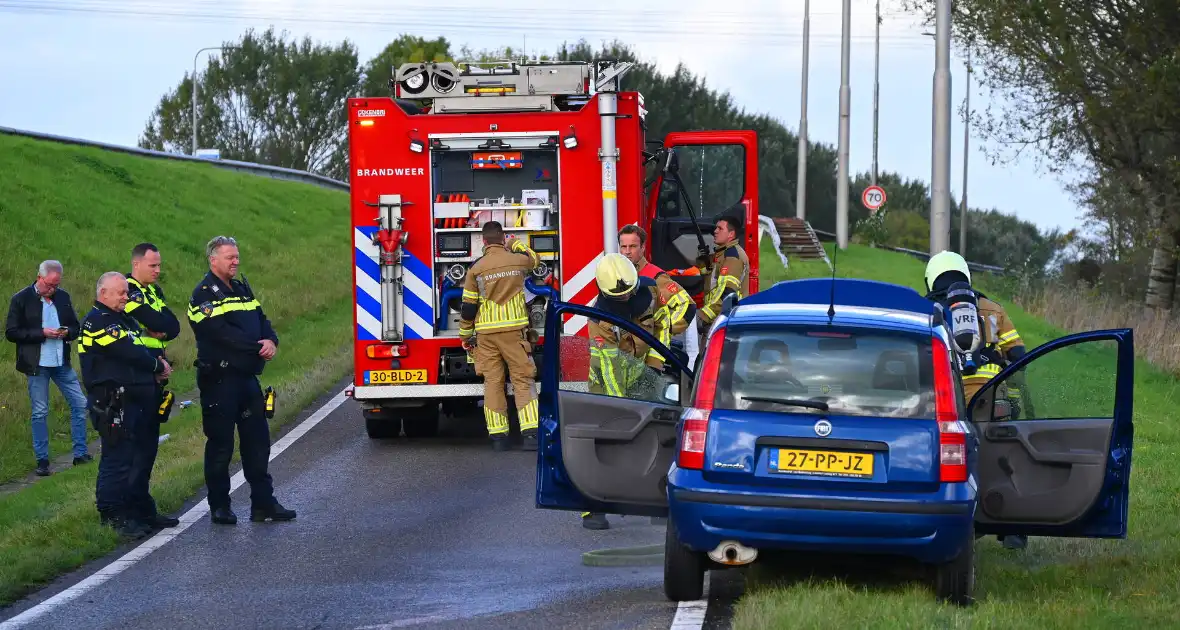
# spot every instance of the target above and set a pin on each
(496, 86)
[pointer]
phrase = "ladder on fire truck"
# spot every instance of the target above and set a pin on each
(502, 87)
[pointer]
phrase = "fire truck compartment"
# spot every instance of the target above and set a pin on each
(507, 178)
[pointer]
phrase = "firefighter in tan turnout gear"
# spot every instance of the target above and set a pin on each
(730, 272)
(676, 308)
(494, 320)
(622, 365)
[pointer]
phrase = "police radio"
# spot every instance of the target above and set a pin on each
(962, 304)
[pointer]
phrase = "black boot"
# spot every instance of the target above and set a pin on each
(528, 440)
(501, 444)
(591, 520)
(159, 521)
(43, 468)
(126, 528)
(275, 512)
(223, 516)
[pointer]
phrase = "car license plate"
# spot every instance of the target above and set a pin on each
(830, 463)
(394, 377)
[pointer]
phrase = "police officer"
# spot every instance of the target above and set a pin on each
(234, 342)
(1001, 343)
(120, 375)
(621, 364)
(729, 272)
(493, 321)
(157, 326)
(676, 308)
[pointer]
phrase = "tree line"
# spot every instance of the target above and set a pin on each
(281, 101)
(1092, 87)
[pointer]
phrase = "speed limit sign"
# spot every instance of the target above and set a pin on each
(873, 198)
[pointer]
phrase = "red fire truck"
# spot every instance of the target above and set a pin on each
(554, 151)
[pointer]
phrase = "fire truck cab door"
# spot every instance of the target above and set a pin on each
(719, 173)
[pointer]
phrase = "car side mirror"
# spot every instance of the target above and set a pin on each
(1002, 410)
(672, 392)
(671, 162)
(728, 303)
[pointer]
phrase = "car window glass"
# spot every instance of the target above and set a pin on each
(609, 371)
(854, 373)
(1076, 381)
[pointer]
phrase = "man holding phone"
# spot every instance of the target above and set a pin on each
(42, 323)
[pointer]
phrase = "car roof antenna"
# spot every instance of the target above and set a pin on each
(832, 300)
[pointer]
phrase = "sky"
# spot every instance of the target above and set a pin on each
(95, 69)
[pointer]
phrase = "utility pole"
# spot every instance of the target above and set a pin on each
(801, 176)
(845, 97)
(876, 86)
(940, 193)
(966, 142)
(194, 151)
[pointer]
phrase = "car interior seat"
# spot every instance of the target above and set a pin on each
(895, 370)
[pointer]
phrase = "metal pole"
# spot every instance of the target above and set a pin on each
(801, 176)
(607, 85)
(195, 85)
(966, 142)
(845, 97)
(940, 193)
(876, 87)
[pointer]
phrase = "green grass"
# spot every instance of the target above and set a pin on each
(1055, 582)
(87, 208)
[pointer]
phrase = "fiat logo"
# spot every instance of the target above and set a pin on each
(823, 428)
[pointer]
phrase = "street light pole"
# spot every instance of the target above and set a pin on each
(845, 97)
(194, 152)
(940, 194)
(966, 141)
(876, 87)
(801, 176)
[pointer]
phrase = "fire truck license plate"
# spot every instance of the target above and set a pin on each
(394, 377)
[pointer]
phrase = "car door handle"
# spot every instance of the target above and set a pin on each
(1001, 432)
(666, 415)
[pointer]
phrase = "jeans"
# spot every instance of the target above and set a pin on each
(71, 390)
(232, 401)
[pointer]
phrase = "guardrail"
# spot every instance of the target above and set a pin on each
(265, 170)
(829, 236)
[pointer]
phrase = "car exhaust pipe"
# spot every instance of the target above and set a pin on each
(733, 553)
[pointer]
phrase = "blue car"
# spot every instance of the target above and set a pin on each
(829, 415)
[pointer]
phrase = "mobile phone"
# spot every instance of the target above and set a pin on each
(63, 329)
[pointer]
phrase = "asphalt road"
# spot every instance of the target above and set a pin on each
(438, 533)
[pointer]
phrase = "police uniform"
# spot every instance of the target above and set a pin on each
(119, 372)
(228, 323)
(146, 305)
(494, 311)
(675, 309)
(730, 273)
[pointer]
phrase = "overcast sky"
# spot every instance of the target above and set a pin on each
(95, 69)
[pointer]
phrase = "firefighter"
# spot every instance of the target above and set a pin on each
(120, 375)
(234, 342)
(676, 307)
(621, 364)
(157, 326)
(729, 272)
(1000, 342)
(494, 322)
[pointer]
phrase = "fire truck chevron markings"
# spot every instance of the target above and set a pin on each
(418, 312)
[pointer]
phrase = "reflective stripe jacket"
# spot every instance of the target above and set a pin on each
(674, 308)
(493, 291)
(999, 336)
(613, 373)
(145, 304)
(730, 273)
(112, 353)
(229, 324)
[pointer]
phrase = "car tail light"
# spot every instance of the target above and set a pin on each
(952, 435)
(387, 351)
(696, 418)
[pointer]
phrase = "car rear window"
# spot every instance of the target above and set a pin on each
(856, 373)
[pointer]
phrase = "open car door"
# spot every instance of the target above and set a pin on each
(706, 174)
(602, 453)
(1055, 459)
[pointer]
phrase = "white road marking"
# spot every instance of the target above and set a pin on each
(691, 615)
(166, 535)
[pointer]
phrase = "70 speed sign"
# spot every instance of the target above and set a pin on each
(873, 198)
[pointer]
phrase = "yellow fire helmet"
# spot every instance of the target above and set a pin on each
(616, 276)
(943, 262)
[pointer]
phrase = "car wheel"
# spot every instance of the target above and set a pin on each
(684, 569)
(955, 580)
(380, 426)
(421, 422)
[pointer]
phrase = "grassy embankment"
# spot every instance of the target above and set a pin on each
(1055, 582)
(87, 208)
